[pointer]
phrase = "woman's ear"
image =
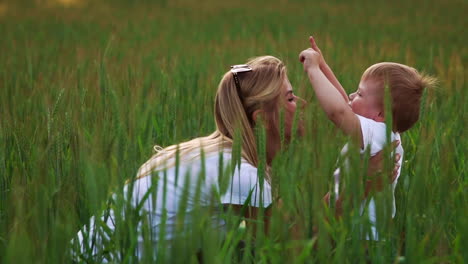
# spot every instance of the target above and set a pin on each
(258, 115)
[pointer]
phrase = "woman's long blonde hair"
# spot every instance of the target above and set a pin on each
(260, 90)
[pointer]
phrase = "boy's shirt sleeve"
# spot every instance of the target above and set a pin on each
(373, 135)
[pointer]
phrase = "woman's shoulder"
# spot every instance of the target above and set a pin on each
(197, 160)
(225, 158)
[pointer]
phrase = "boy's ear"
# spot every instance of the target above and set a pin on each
(380, 117)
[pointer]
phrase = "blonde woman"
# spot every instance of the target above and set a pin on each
(247, 94)
(188, 175)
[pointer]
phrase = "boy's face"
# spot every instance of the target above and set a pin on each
(367, 101)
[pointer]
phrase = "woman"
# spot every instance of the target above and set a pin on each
(247, 95)
(205, 172)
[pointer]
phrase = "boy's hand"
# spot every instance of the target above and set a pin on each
(310, 59)
(314, 46)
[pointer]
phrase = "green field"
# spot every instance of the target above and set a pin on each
(87, 88)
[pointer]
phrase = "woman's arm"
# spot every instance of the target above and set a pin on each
(377, 177)
(252, 216)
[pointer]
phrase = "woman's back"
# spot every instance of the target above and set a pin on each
(166, 200)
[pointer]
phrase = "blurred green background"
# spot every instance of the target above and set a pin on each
(87, 88)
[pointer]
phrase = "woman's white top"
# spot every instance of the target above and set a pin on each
(164, 192)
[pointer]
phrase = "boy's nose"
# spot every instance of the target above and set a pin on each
(351, 96)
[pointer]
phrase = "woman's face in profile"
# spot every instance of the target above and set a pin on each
(291, 103)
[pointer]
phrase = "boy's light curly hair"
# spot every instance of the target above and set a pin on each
(406, 89)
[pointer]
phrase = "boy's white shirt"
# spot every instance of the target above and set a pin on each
(243, 183)
(374, 136)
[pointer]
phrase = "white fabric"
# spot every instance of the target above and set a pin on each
(374, 135)
(243, 183)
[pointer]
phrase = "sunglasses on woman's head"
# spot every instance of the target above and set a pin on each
(235, 69)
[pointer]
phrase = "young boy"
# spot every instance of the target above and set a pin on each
(362, 115)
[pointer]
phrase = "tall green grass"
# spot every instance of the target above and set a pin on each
(87, 90)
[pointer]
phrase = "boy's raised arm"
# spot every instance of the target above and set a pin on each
(327, 71)
(330, 99)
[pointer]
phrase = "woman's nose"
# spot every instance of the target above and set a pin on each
(303, 103)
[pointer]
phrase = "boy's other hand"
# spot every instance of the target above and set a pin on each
(310, 59)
